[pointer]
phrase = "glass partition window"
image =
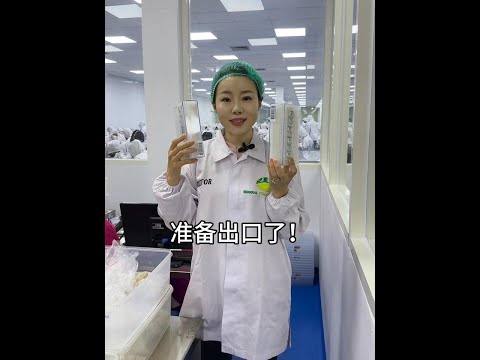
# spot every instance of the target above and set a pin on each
(126, 135)
(290, 65)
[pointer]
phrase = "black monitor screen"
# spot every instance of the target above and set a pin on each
(143, 227)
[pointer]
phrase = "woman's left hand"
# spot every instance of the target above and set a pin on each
(280, 176)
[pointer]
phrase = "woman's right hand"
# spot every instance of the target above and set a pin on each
(176, 159)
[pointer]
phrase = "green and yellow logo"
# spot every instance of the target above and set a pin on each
(263, 184)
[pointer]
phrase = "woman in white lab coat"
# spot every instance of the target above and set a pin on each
(240, 283)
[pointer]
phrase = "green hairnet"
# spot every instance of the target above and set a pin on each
(237, 68)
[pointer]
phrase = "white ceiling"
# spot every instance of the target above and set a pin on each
(234, 29)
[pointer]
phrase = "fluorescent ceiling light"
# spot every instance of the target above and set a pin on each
(108, 61)
(208, 93)
(202, 36)
(354, 29)
(225, 57)
(352, 66)
(244, 5)
(195, 81)
(206, 79)
(192, 46)
(110, 48)
(125, 11)
(262, 41)
(195, 71)
(265, 103)
(293, 55)
(269, 92)
(293, 68)
(310, 77)
(138, 1)
(119, 40)
(299, 83)
(298, 77)
(300, 92)
(268, 88)
(300, 88)
(284, 32)
(310, 67)
(137, 71)
(200, 89)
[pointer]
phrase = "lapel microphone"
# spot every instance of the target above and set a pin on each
(245, 147)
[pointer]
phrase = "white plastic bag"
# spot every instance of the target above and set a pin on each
(120, 269)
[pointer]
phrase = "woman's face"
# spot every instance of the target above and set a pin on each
(237, 106)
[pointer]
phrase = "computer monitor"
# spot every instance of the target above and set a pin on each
(143, 227)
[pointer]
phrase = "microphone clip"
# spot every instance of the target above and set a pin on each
(245, 147)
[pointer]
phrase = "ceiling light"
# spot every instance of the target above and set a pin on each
(354, 29)
(293, 68)
(263, 41)
(298, 77)
(300, 91)
(244, 5)
(284, 32)
(352, 66)
(108, 61)
(202, 36)
(125, 11)
(195, 71)
(138, 1)
(206, 79)
(195, 81)
(137, 71)
(310, 77)
(200, 89)
(293, 55)
(225, 57)
(300, 88)
(310, 67)
(269, 92)
(268, 88)
(119, 40)
(110, 48)
(299, 83)
(192, 46)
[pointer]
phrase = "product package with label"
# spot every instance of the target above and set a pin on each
(187, 121)
(284, 123)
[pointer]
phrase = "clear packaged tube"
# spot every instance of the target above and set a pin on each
(187, 121)
(284, 123)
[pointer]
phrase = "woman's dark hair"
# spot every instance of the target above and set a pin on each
(138, 135)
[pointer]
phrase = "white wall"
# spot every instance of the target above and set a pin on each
(349, 325)
(124, 103)
(127, 181)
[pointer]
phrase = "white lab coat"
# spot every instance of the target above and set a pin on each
(242, 292)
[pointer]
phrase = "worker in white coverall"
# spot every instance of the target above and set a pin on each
(240, 281)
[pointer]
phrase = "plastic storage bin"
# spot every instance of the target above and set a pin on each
(142, 343)
(125, 320)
